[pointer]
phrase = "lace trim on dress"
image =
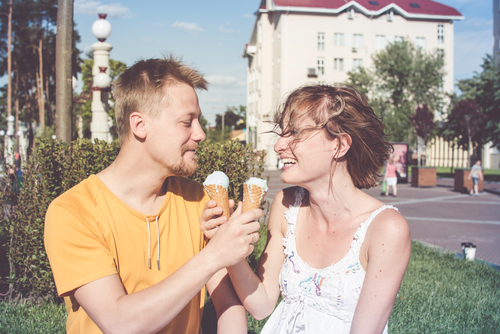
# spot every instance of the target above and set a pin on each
(359, 236)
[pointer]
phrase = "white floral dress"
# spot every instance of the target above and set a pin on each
(318, 301)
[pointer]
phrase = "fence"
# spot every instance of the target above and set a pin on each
(441, 153)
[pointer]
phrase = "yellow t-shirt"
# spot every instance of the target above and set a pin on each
(90, 234)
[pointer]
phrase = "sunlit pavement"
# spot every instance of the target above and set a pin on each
(440, 216)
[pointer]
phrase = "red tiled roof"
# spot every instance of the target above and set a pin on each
(425, 7)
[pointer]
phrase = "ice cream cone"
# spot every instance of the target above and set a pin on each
(216, 186)
(219, 194)
(254, 191)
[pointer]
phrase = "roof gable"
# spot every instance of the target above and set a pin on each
(370, 7)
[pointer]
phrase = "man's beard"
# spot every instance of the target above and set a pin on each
(183, 169)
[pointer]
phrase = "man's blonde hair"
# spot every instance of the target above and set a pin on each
(144, 87)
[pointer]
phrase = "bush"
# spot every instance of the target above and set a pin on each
(52, 168)
(55, 167)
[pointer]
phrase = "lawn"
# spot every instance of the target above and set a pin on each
(439, 294)
(489, 174)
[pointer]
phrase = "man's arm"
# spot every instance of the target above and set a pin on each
(149, 310)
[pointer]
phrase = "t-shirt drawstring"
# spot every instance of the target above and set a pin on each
(149, 243)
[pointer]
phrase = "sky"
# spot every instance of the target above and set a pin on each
(211, 35)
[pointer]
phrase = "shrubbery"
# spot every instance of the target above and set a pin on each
(55, 167)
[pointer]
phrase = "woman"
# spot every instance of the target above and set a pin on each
(391, 177)
(337, 255)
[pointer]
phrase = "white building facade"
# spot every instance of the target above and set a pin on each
(295, 42)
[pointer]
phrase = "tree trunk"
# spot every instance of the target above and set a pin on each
(47, 98)
(39, 84)
(64, 91)
(9, 61)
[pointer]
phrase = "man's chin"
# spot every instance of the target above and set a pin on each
(185, 170)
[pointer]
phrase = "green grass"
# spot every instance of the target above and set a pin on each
(439, 294)
(489, 174)
(443, 294)
(22, 317)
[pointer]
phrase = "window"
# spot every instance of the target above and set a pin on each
(321, 66)
(420, 43)
(374, 3)
(357, 40)
(440, 53)
(338, 64)
(440, 34)
(338, 39)
(390, 16)
(380, 42)
(350, 14)
(398, 39)
(414, 5)
(321, 41)
(357, 63)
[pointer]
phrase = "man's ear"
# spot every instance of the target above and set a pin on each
(138, 125)
(344, 144)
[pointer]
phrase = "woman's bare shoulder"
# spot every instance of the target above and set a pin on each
(389, 224)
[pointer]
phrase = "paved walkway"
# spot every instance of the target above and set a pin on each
(440, 216)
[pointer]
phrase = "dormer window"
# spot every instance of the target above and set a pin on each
(374, 3)
(414, 5)
(350, 14)
(390, 16)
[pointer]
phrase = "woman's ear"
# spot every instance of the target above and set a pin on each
(138, 125)
(344, 144)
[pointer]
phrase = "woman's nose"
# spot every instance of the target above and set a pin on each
(281, 145)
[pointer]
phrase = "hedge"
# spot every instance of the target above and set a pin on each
(54, 167)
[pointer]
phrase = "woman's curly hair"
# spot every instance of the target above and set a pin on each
(340, 110)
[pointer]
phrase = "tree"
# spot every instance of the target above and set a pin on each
(465, 124)
(484, 89)
(423, 123)
(34, 25)
(234, 119)
(403, 78)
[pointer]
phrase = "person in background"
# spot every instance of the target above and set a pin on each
(391, 177)
(125, 245)
(475, 174)
(336, 254)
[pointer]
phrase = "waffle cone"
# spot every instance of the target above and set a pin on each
(252, 196)
(219, 194)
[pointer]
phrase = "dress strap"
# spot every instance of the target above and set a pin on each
(360, 234)
(291, 217)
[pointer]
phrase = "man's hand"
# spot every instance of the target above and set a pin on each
(235, 239)
(211, 217)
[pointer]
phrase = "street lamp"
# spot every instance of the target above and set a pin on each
(99, 126)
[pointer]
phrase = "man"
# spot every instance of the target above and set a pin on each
(125, 245)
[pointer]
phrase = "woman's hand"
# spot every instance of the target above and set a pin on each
(211, 217)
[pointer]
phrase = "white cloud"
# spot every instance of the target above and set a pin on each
(478, 23)
(90, 7)
(226, 81)
(224, 30)
(191, 27)
(248, 16)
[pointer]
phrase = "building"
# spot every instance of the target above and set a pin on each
(298, 41)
